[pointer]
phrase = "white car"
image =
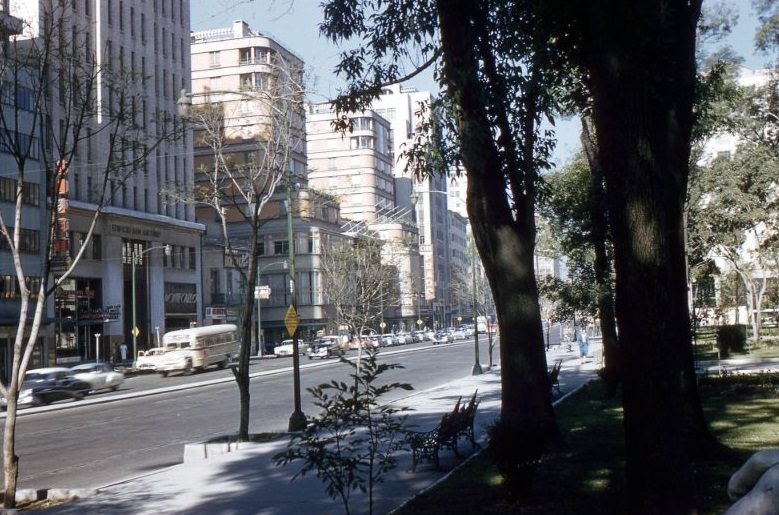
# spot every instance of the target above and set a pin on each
(285, 349)
(101, 376)
(149, 359)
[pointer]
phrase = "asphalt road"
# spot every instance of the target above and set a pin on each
(91, 445)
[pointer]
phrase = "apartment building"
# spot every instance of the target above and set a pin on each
(128, 159)
(400, 105)
(251, 78)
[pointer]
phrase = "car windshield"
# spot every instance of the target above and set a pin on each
(84, 368)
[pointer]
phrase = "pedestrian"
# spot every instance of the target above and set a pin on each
(581, 339)
(123, 351)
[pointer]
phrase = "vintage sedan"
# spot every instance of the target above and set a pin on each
(43, 386)
(101, 376)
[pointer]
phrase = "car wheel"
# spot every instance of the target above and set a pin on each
(78, 396)
(114, 387)
(187, 369)
(164, 373)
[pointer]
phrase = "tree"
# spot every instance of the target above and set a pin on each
(640, 57)
(352, 443)
(575, 210)
(48, 74)
(497, 69)
(357, 283)
(243, 176)
(733, 220)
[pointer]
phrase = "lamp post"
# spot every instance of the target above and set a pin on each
(97, 347)
(476, 370)
(297, 420)
(258, 296)
(137, 256)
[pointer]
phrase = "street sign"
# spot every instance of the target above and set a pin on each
(135, 331)
(291, 320)
(262, 292)
(419, 322)
(382, 325)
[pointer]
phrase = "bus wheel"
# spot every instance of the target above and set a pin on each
(223, 364)
(187, 369)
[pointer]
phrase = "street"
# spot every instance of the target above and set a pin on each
(90, 445)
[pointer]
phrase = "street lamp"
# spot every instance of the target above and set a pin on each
(258, 296)
(476, 370)
(136, 257)
(97, 347)
(297, 420)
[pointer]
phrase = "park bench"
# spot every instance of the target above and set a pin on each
(458, 423)
(554, 376)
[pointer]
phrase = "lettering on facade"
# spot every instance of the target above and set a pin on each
(133, 230)
(180, 298)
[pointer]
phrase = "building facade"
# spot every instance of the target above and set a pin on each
(428, 199)
(252, 78)
(128, 167)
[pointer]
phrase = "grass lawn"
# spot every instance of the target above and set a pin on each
(586, 475)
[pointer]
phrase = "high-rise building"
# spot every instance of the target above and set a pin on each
(358, 169)
(428, 198)
(139, 274)
(251, 78)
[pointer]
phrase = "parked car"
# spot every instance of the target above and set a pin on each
(284, 350)
(458, 334)
(43, 386)
(404, 338)
(325, 347)
(440, 337)
(389, 339)
(101, 376)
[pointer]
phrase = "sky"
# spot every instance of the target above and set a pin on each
(294, 24)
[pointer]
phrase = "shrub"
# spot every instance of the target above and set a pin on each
(353, 442)
(731, 338)
(516, 445)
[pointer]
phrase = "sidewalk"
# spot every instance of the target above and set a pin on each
(247, 482)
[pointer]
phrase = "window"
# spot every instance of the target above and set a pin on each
(358, 142)
(132, 21)
(281, 247)
(192, 258)
(213, 58)
(29, 241)
(143, 29)
(109, 10)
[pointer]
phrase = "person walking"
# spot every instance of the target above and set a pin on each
(581, 339)
(123, 352)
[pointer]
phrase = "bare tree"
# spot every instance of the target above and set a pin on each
(251, 136)
(51, 74)
(357, 283)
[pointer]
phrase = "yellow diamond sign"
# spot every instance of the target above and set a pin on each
(291, 320)
(135, 331)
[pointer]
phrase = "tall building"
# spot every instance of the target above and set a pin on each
(428, 198)
(358, 169)
(140, 273)
(250, 78)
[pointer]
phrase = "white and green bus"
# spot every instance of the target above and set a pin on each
(192, 349)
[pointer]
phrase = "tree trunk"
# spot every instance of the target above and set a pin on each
(642, 70)
(10, 459)
(612, 368)
(505, 239)
(241, 372)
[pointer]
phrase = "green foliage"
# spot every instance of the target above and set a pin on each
(353, 441)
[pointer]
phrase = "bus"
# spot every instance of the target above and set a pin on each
(187, 350)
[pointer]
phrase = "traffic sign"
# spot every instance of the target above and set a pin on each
(135, 331)
(291, 320)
